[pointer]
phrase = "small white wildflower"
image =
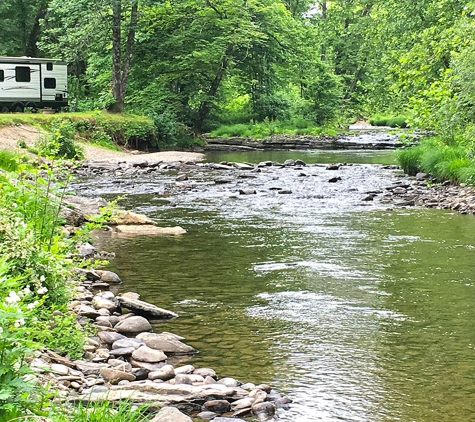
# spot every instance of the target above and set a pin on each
(19, 322)
(14, 204)
(42, 278)
(26, 291)
(12, 298)
(1, 330)
(32, 305)
(42, 290)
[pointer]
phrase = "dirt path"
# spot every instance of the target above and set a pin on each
(12, 136)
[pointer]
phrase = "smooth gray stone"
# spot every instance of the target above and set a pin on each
(167, 343)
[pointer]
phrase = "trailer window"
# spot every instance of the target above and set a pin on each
(22, 74)
(2, 75)
(49, 66)
(50, 83)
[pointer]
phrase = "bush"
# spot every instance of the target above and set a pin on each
(60, 141)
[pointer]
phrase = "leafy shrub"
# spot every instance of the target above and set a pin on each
(8, 160)
(60, 141)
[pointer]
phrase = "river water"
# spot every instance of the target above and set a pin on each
(357, 310)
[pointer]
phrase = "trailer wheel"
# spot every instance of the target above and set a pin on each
(5, 109)
(18, 108)
(32, 107)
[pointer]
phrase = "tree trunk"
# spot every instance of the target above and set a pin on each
(121, 62)
(205, 106)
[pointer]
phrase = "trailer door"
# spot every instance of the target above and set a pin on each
(54, 82)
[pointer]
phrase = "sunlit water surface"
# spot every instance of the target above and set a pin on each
(359, 312)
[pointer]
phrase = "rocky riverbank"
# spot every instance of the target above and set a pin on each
(125, 360)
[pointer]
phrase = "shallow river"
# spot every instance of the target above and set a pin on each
(359, 312)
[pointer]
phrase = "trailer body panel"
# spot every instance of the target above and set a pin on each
(31, 82)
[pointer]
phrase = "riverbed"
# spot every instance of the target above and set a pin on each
(358, 310)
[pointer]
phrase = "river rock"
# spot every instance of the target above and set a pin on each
(229, 382)
(171, 414)
(91, 275)
(86, 206)
(284, 191)
(150, 230)
(243, 166)
(150, 367)
(207, 415)
(109, 277)
(127, 342)
(87, 311)
(333, 167)
(218, 406)
(149, 355)
(247, 192)
(205, 372)
(101, 302)
(131, 218)
(122, 351)
(165, 394)
(186, 369)
(59, 369)
(120, 365)
(167, 372)
(133, 325)
(183, 379)
(89, 368)
(223, 180)
(86, 250)
(264, 410)
(110, 337)
(114, 376)
(168, 344)
(143, 308)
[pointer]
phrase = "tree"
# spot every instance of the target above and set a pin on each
(20, 29)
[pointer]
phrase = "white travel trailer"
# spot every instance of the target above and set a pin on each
(31, 82)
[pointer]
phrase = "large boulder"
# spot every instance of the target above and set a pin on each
(144, 308)
(167, 343)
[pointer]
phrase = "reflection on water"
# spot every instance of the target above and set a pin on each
(359, 314)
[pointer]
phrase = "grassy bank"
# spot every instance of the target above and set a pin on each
(454, 162)
(103, 129)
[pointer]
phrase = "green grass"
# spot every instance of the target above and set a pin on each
(399, 121)
(267, 128)
(442, 161)
(103, 411)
